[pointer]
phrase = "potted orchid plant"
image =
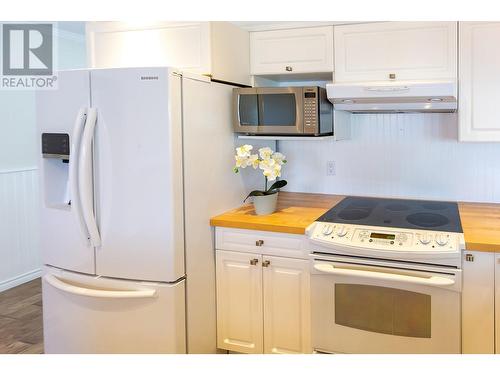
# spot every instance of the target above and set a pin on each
(270, 163)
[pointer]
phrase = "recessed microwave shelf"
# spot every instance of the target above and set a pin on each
(287, 137)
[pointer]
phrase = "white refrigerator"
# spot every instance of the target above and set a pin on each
(133, 162)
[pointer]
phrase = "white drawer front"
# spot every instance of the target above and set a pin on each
(259, 242)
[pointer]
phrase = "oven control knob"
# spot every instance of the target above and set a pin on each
(341, 231)
(441, 239)
(425, 239)
(327, 230)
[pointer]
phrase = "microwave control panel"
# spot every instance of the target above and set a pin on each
(310, 107)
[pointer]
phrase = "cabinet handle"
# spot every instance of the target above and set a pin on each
(392, 76)
(288, 68)
(259, 243)
(266, 263)
(469, 257)
(253, 262)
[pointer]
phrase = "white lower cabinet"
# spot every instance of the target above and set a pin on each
(263, 303)
(239, 301)
(478, 302)
(287, 303)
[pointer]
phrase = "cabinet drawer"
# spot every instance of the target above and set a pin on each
(259, 242)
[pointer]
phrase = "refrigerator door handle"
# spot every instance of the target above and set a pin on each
(85, 178)
(97, 293)
(76, 136)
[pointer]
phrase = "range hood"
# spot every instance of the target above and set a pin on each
(380, 97)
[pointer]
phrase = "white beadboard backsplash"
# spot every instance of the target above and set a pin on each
(20, 259)
(397, 155)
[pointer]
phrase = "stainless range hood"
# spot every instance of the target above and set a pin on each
(382, 97)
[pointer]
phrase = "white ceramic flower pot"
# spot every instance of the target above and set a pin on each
(265, 204)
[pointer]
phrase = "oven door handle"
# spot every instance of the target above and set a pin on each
(431, 281)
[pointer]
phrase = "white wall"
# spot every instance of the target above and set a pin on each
(18, 142)
(398, 155)
(19, 253)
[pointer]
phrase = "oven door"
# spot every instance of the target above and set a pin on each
(370, 306)
(275, 110)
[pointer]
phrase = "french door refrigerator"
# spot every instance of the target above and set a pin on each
(126, 201)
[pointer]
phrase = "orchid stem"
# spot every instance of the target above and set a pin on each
(266, 183)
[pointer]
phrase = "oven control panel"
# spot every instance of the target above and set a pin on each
(378, 238)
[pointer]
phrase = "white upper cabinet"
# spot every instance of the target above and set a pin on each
(219, 49)
(388, 51)
(479, 81)
(304, 50)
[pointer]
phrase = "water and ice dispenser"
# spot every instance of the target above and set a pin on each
(55, 152)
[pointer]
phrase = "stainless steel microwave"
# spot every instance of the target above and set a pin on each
(282, 110)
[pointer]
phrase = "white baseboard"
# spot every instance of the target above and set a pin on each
(21, 279)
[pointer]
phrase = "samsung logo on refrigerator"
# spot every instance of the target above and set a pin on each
(149, 78)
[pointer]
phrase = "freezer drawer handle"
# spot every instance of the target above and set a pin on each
(98, 293)
(432, 281)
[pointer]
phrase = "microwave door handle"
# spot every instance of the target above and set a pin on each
(436, 281)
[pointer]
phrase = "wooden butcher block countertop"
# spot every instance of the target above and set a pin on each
(296, 211)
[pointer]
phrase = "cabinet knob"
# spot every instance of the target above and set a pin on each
(392, 76)
(253, 262)
(469, 257)
(259, 243)
(266, 263)
(288, 68)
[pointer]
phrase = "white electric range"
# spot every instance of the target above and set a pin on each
(386, 277)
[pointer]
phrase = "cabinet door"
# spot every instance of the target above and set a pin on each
(184, 45)
(478, 302)
(407, 50)
(307, 50)
(479, 83)
(287, 317)
(497, 303)
(239, 302)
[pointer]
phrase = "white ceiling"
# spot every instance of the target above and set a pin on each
(275, 25)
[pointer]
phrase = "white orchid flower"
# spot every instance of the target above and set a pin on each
(244, 151)
(279, 158)
(241, 161)
(272, 173)
(267, 160)
(254, 161)
(271, 169)
(267, 164)
(265, 152)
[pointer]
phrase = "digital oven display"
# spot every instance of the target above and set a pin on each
(383, 236)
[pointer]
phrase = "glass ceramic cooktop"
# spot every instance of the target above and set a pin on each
(397, 213)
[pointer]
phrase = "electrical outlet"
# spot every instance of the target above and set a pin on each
(330, 168)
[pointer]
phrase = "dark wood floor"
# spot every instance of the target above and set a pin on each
(21, 328)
